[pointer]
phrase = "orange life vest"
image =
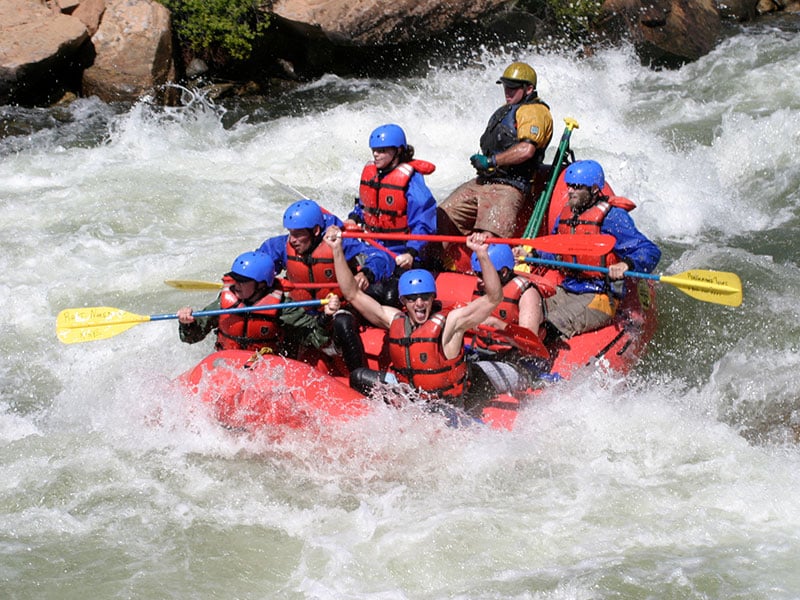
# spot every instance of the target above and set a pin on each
(590, 221)
(383, 199)
(507, 311)
(316, 267)
(417, 356)
(249, 330)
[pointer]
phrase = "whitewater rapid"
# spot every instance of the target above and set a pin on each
(678, 481)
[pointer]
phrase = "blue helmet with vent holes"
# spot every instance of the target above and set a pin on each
(501, 256)
(585, 172)
(304, 214)
(254, 265)
(388, 136)
(416, 281)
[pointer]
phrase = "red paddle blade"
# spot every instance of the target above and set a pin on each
(290, 285)
(520, 337)
(527, 341)
(586, 245)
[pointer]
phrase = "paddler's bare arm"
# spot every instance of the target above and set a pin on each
(460, 320)
(516, 155)
(531, 315)
(371, 309)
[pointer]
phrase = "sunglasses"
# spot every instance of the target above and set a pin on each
(414, 297)
(577, 186)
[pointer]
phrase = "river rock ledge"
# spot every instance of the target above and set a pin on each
(121, 50)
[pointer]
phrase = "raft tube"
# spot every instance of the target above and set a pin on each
(273, 391)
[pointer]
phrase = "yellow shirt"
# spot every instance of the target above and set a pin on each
(535, 123)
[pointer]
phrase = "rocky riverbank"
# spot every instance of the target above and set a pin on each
(120, 50)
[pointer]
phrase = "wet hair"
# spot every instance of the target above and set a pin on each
(406, 153)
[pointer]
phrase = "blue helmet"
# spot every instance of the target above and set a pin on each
(387, 136)
(304, 214)
(416, 281)
(500, 255)
(254, 265)
(585, 172)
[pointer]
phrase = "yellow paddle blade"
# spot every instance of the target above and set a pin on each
(193, 284)
(718, 287)
(74, 325)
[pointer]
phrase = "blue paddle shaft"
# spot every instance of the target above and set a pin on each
(580, 267)
(240, 309)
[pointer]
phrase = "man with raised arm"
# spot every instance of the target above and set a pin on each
(426, 343)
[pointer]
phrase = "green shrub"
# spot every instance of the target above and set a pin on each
(211, 25)
(575, 15)
(572, 17)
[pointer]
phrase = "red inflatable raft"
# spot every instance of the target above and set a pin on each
(247, 392)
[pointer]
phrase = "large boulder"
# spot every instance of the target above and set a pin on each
(133, 52)
(737, 10)
(40, 50)
(90, 12)
(664, 32)
(769, 6)
(378, 23)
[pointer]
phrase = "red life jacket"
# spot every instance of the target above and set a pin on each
(507, 311)
(316, 267)
(249, 330)
(383, 199)
(590, 221)
(417, 356)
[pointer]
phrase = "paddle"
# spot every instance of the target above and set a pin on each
(371, 241)
(193, 284)
(520, 337)
(535, 222)
(198, 285)
(75, 325)
(302, 196)
(289, 189)
(717, 287)
(587, 245)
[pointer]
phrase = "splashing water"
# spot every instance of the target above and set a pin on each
(681, 478)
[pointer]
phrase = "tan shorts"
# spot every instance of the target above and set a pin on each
(577, 313)
(492, 207)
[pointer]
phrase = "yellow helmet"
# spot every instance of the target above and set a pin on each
(518, 73)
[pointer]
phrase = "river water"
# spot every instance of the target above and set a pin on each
(679, 481)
